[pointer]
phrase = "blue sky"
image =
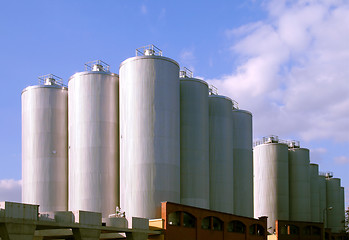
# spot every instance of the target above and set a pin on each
(285, 61)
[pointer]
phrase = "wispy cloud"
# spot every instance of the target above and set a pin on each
(10, 190)
(187, 59)
(144, 9)
(293, 74)
(341, 160)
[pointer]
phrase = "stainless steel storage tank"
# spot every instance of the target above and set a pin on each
(314, 193)
(243, 163)
(45, 144)
(342, 208)
(299, 184)
(149, 133)
(93, 139)
(271, 188)
(221, 154)
(194, 139)
(322, 198)
(334, 210)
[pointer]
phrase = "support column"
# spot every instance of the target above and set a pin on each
(17, 231)
(86, 234)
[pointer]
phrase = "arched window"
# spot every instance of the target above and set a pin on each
(294, 230)
(189, 220)
(315, 231)
(206, 223)
(307, 230)
(217, 224)
(256, 229)
(236, 226)
(174, 218)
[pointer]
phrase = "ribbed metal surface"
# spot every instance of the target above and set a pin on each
(149, 135)
(342, 207)
(195, 177)
(322, 198)
(243, 163)
(299, 184)
(333, 201)
(45, 147)
(271, 188)
(314, 193)
(221, 154)
(93, 142)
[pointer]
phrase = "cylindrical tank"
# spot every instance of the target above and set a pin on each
(195, 177)
(299, 184)
(322, 198)
(271, 189)
(45, 146)
(221, 154)
(314, 193)
(243, 163)
(342, 208)
(149, 134)
(334, 211)
(94, 141)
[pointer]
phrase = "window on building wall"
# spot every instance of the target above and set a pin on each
(236, 226)
(189, 220)
(174, 218)
(260, 230)
(283, 229)
(307, 230)
(256, 229)
(316, 231)
(294, 230)
(206, 223)
(217, 224)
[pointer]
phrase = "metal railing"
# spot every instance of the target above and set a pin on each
(51, 79)
(269, 139)
(149, 50)
(212, 90)
(97, 65)
(293, 144)
(235, 104)
(326, 174)
(185, 72)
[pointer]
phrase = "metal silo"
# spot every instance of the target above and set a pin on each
(322, 198)
(45, 144)
(243, 163)
(93, 139)
(149, 133)
(194, 139)
(271, 189)
(342, 208)
(334, 211)
(221, 154)
(299, 183)
(314, 193)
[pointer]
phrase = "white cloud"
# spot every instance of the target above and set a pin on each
(341, 160)
(187, 59)
(10, 190)
(293, 73)
(317, 154)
